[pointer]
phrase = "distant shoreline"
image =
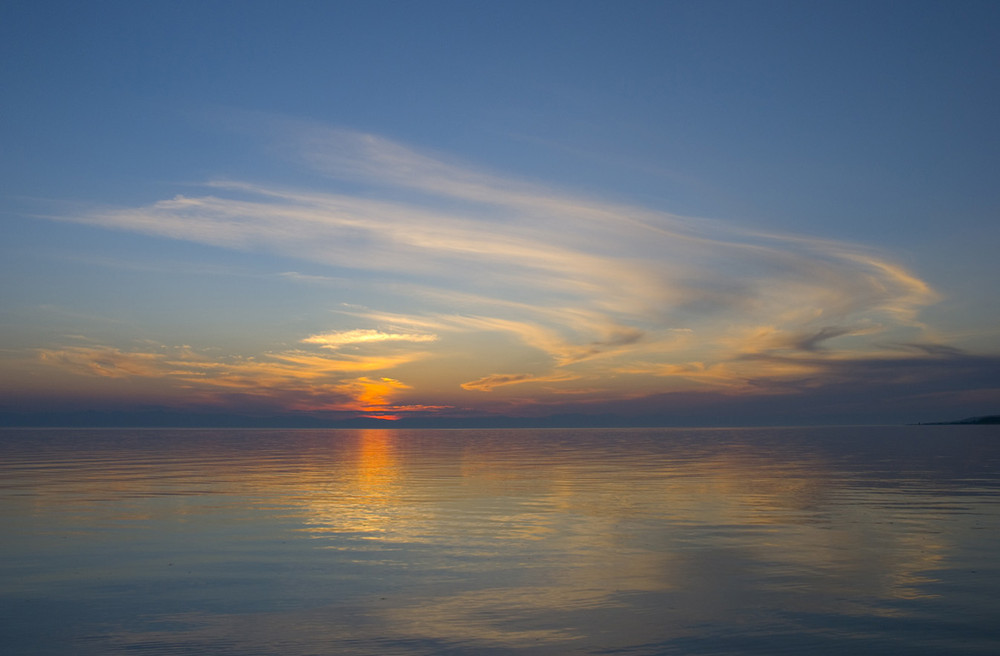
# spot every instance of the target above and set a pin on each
(969, 421)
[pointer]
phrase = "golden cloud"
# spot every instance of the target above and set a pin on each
(593, 289)
(335, 339)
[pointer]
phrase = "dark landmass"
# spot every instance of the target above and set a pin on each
(166, 418)
(975, 421)
(161, 417)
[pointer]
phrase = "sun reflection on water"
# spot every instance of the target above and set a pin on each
(555, 542)
(518, 534)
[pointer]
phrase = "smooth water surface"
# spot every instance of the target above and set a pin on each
(868, 540)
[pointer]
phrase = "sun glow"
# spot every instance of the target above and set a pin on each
(573, 297)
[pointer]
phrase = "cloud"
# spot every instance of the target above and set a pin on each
(334, 340)
(103, 361)
(578, 288)
(302, 380)
(573, 251)
(937, 350)
(491, 382)
(815, 340)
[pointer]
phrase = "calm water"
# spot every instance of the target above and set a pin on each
(372, 542)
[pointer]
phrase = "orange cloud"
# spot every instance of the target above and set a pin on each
(568, 287)
(374, 394)
(491, 382)
(315, 382)
(103, 361)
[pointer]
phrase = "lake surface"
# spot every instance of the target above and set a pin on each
(862, 540)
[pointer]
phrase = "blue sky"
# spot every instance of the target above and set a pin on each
(706, 212)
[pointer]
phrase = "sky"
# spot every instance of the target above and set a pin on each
(484, 213)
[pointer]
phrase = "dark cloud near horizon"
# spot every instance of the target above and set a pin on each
(948, 385)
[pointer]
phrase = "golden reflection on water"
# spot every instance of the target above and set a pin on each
(361, 497)
(376, 466)
(721, 532)
(502, 541)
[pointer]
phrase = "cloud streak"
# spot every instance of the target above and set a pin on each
(578, 292)
(336, 340)
(300, 379)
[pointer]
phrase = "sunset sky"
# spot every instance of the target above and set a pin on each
(676, 213)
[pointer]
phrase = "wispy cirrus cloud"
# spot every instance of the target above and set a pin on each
(605, 295)
(491, 382)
